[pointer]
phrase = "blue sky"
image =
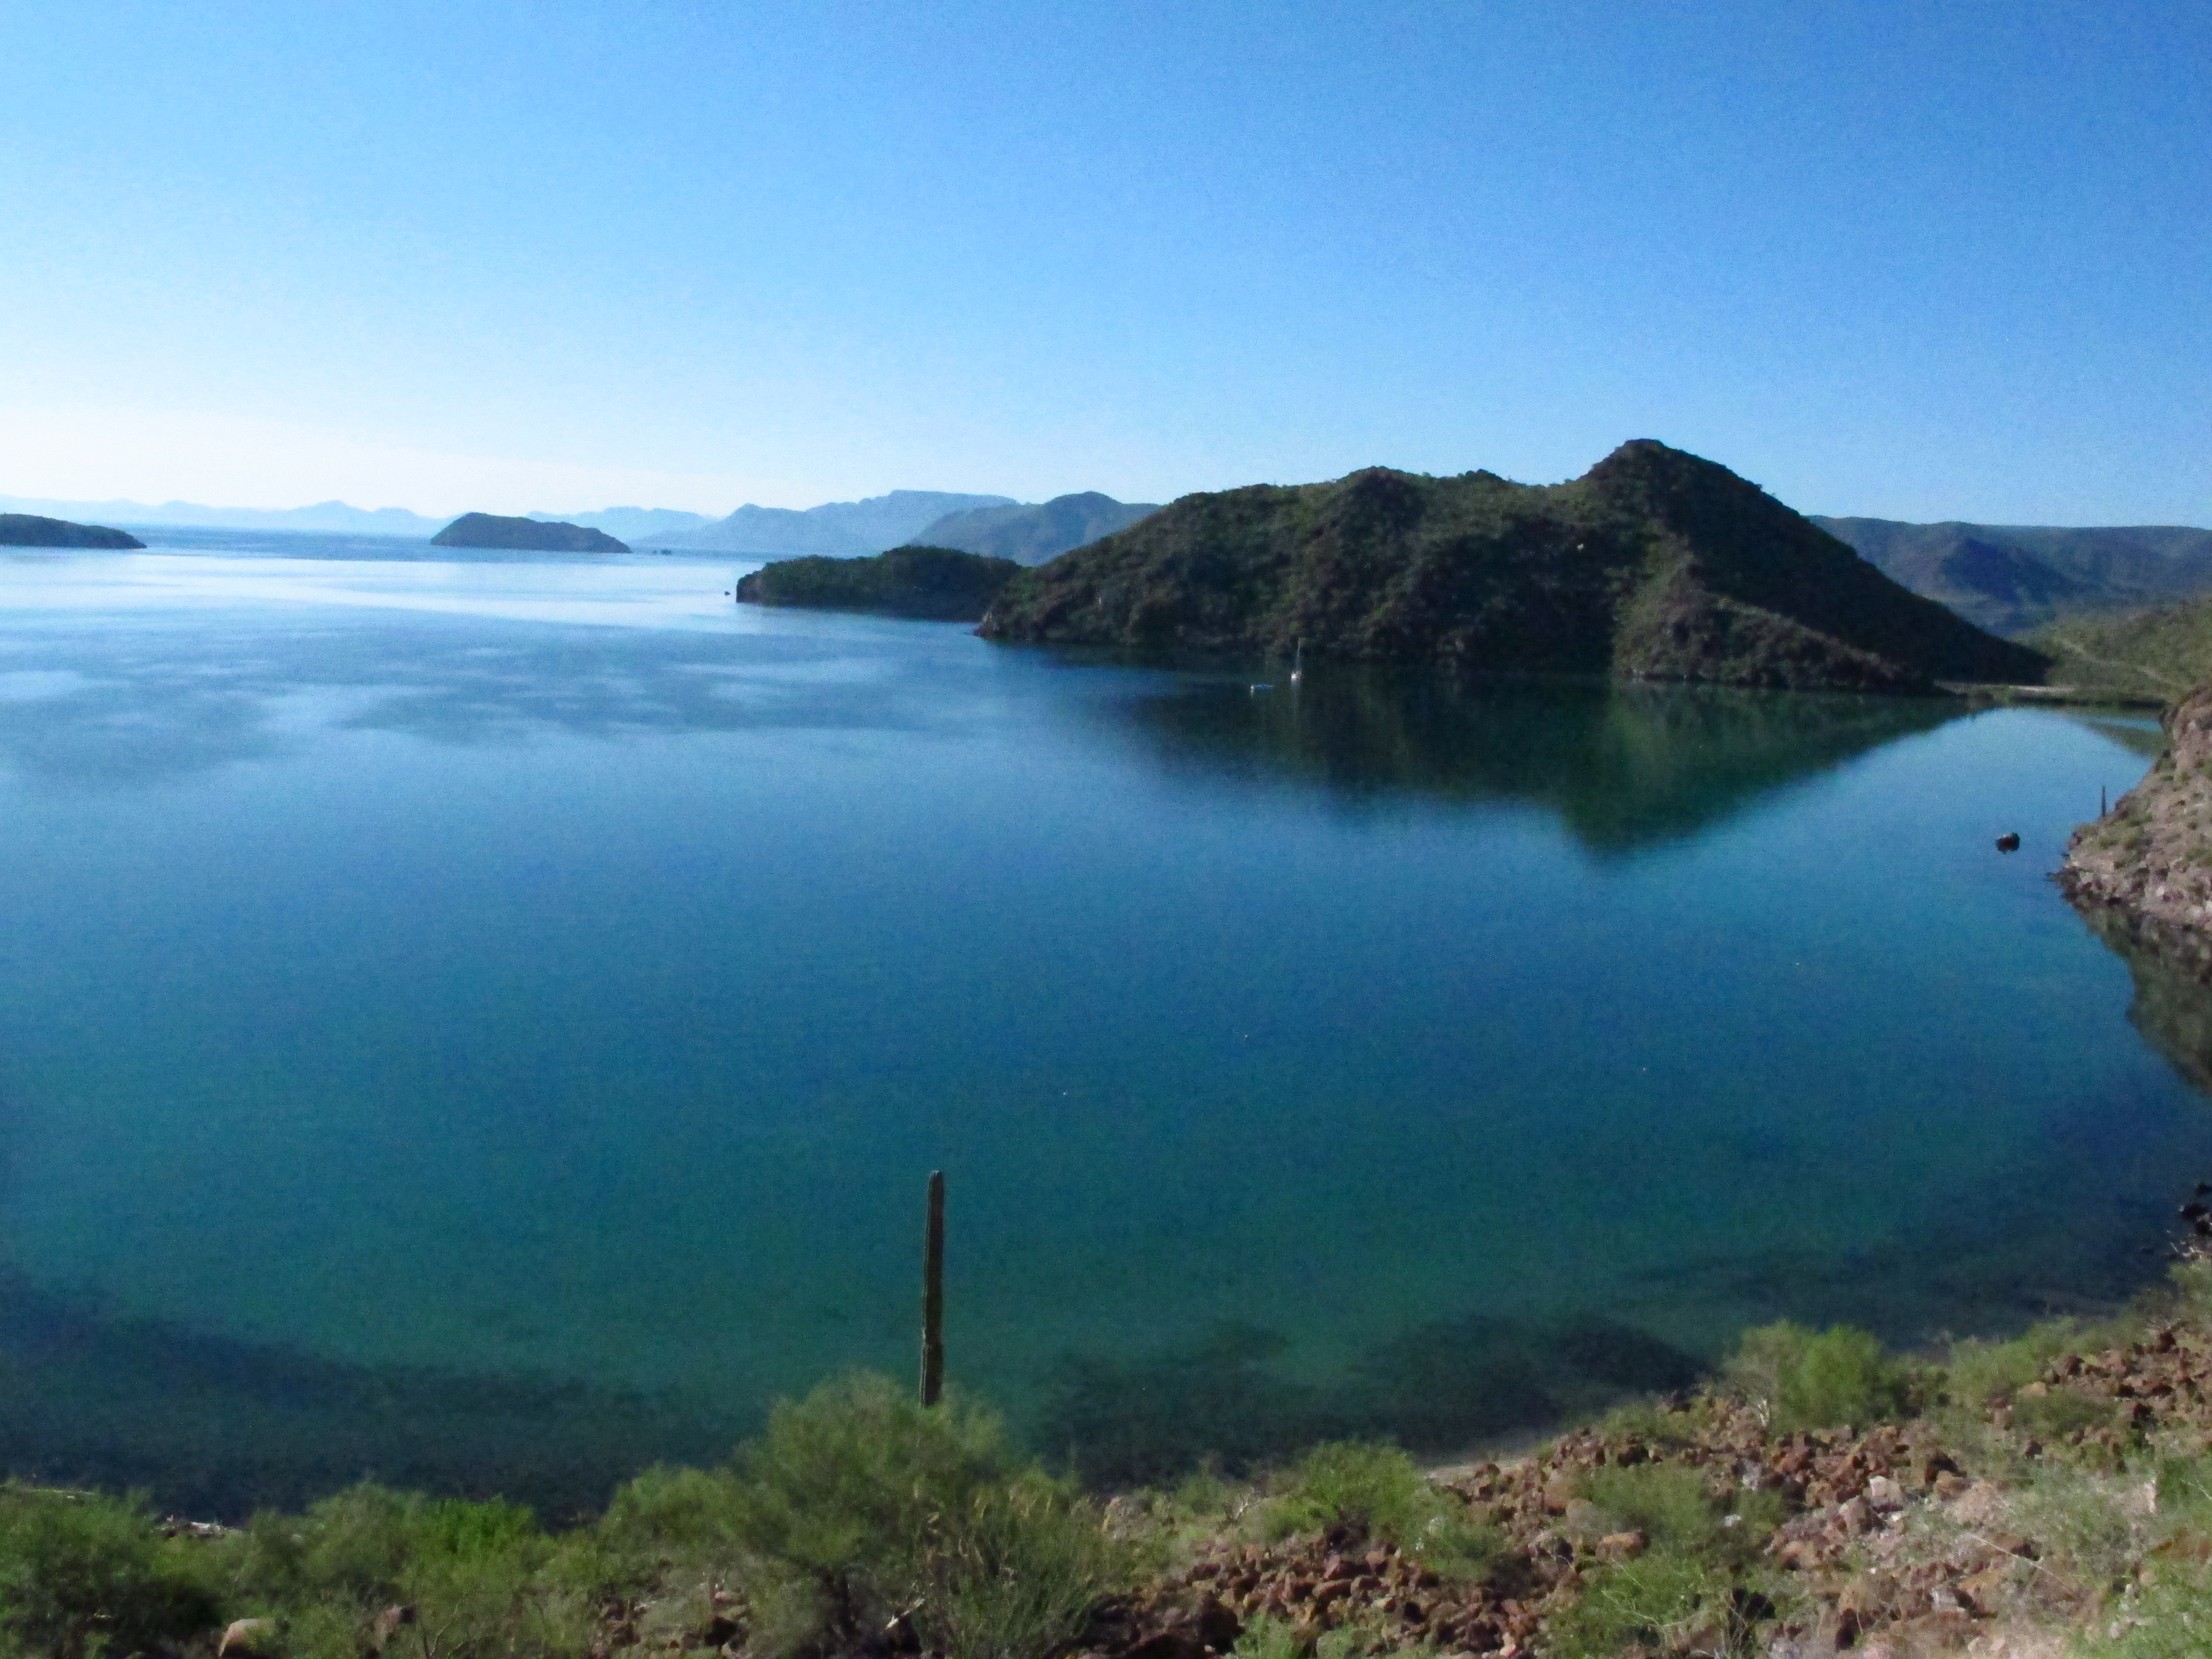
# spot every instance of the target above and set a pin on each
(1911, 260)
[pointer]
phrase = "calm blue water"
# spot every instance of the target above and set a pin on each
(546, 967)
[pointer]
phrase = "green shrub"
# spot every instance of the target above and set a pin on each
(1661, 1600)
(474, 1573)
(666, 1518)
(2171, 1617)
(1671, 1505)
(2061, 1413)
(82, 1574)
(1021, 1573)
(860, 1505)
(1374, 1490)
(1646, 1420)
(1804, 1379)
(1274, 1638)
(1978, 1374)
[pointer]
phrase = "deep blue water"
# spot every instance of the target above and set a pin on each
(546, 967)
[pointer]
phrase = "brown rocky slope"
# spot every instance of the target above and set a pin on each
(2150, 857)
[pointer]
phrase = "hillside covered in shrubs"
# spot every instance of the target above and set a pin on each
(2046, 1495)
(1654, 564)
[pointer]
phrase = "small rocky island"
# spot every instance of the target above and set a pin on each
(525, 536)
(1654, 565)
(933, 584)
(29, 530)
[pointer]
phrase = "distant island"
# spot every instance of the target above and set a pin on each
(525, 535)
(1653, 565)
(28, 530)
(936, 584)
(1034, 534)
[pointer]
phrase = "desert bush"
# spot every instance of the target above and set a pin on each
(1276, 1638)
(473, 1574)
(2061, 1413)
(1978, 1374)
(1374, 1490)
(2169, 1618)
(665, 1520)
(860, 1505)
(1665, 1600)
(1672, 1506)
(1021, 1572)
(1804, 1379)
(82, 1574)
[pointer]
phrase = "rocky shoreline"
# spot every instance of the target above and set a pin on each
(1898, 1543)
(2150, 856)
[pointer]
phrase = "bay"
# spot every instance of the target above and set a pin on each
(443, 997)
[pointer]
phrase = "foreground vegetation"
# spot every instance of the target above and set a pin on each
(2053, 1493)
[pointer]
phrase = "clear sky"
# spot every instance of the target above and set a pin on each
(1950, 259)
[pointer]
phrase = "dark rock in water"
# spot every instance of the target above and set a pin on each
(29, 530)
(1653, 565)
(523, 535)
(937, 584)
(2007, 842)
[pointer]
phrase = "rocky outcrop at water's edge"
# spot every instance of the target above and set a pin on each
(2151, 856)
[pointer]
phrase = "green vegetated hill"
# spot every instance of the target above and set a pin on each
(937, 584)
(1035, 534)
(523, 535)
(29, 530)
(2157, 654)
(1654, 565)
(2011, 579)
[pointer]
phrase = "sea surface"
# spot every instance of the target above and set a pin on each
(489, 1021)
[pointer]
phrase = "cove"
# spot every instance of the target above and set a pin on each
(490, 1021)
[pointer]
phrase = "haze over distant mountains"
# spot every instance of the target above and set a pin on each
(837, 530)
(1031, 535)
(1027, 534)
(333, 516)
(2012, 578)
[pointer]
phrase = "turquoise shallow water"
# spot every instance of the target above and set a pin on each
(548, 968)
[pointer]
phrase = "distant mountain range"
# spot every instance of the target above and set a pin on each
(2009, 579)
(837, 530)
(334, 516)
(640, 526)
(1031, 535)
(2013, 579)
(996, 526)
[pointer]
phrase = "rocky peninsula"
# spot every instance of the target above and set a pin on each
(1654, 564)
(525, 535)
(29, 530)
(932, 584)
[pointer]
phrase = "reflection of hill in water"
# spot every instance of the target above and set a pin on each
(2172, 972)
(1622, 765)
